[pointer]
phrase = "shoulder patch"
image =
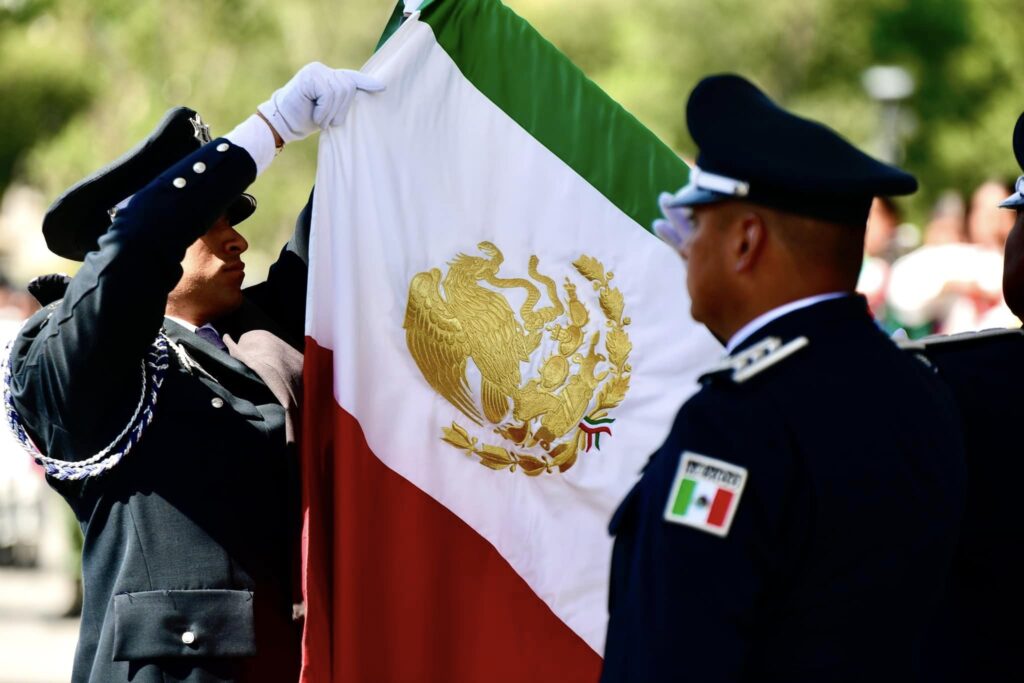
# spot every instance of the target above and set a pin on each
(946, 340)
(705, 493)
(755, 360)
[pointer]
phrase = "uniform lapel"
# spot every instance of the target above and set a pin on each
(212, 359)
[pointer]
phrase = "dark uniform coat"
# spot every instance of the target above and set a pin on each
(841, 532)
(977, 636)
(189, 538)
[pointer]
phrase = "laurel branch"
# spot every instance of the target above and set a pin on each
(499, 458)
(617, 341)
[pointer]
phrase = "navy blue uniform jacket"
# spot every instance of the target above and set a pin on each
(192, 531)
(977, 637)
(843, 533)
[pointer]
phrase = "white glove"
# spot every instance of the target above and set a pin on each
(316, 97)
(676, 226)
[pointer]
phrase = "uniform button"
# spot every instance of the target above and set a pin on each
(222, 147)
(178, 183)
(217, 402)
(188, 637)
(199, 167)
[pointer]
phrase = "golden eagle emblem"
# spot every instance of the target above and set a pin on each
(546, 420)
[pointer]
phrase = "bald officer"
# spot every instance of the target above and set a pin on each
(774, 537)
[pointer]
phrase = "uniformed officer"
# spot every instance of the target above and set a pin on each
(774, 537)
(976, 637)
(169, 437)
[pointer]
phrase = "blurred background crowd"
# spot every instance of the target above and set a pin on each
(946, 276)
(932, 85)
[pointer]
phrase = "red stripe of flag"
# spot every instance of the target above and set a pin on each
(397, 587)
(719, 507)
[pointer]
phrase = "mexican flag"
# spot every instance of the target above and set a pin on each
(705, 493)
(495, 346)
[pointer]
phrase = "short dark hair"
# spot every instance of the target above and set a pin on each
(822, 244)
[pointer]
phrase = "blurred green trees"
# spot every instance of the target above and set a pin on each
(810, 56)
(82, 81)
(40, 90)
(139, 58)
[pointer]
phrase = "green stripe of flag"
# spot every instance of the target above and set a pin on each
(683, 496)
(540, 89)
(394, 21)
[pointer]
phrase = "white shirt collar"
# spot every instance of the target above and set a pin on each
(184, 323)
(760, 321)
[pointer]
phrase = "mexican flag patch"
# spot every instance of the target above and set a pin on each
(705, 493)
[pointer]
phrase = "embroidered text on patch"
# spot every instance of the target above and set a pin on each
(705, 493)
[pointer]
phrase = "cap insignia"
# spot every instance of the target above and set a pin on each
(200, 130)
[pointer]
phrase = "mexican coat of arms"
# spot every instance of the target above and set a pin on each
(541, 423)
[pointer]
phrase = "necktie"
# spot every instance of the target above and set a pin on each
(210, 334)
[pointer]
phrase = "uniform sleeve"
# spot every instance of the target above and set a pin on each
(283, 295)
(684, 599)
(76, 376)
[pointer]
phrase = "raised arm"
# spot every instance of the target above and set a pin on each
(76, 367)
(77, 370)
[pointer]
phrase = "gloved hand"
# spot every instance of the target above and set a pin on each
(677, 226)
(49, 288)
(316, 97)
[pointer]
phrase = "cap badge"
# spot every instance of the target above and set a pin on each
(200, 130)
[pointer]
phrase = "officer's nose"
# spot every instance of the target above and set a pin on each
(235, 243)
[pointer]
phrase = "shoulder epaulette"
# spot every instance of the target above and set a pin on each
(754, 360)
(945, 340)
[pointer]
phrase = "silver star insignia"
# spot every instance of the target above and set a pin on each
(200, 130)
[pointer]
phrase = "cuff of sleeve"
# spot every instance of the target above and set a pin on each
(254, 136)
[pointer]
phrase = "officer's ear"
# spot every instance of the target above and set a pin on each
(749, 242)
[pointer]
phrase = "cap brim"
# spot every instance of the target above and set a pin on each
(241, 208)
(1014, 201)
(694, 196)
